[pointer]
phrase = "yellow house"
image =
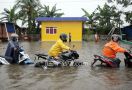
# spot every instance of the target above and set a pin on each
(51, 27)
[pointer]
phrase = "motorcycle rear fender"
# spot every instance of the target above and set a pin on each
(3, 61)
(97, 57)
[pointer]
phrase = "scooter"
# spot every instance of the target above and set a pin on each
(24, 59)
(110, 63)
(128, 59)
(67, 58)
(4, 60)
(105, 62)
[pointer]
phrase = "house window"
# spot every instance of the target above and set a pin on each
(51, 30)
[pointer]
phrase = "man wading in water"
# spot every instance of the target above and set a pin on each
(111, 48)
(13, 48)
(58, 48)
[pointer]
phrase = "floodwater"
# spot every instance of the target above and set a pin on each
(18, 77)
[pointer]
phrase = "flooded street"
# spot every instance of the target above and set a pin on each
(18, 77)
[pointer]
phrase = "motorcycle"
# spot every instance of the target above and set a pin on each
(106, 61)
(67, 58)
(128, 59)
(24, 59)
(4, 60)
(113, 64)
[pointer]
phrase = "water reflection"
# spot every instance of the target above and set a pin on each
(114, 79)
(15, 73)
(64, 78)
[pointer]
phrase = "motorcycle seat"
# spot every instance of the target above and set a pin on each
(43, 56)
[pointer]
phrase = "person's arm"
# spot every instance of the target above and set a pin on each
(63, 46)
(14, 45)
(11, 44)
(119, 49)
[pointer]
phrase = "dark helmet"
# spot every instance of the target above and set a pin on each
(115, 38)
(14, 37)
(63, 37)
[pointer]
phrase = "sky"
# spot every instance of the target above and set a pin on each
(70, 8)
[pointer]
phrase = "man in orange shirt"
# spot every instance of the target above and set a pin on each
(111, 48)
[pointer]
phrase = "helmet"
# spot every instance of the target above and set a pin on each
(115, 37)
(63, 37)
(14, 37)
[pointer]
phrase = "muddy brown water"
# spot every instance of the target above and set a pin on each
(18, 77)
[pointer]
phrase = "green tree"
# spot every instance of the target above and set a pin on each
(47, 12)
(9, 15)
(124, 4)
(103, 19)
(128, 17)
(91, 17)
(108, 18)
(28, 11)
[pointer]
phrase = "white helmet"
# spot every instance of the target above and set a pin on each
(115, 37)
(14, 37)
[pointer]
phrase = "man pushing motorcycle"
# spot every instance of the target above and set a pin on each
(13, 48)
(16, 53)
(111, 48)
(58, 48)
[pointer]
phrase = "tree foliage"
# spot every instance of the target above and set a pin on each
(128, 17)
(124, 4)
(30, 9)
(9, 15)
(109, 17)
(91, 17)
(28, 12)
(104, 18)
(47, 12)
